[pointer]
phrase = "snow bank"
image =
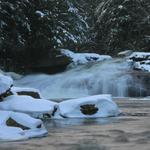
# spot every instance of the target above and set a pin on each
(9, 133)
(27, 104)
(5, 83)
(141, 61)
(83, 58)
(88, 107)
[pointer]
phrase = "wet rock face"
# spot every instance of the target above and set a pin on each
(88, 109)
(51, 65)
(139, 87)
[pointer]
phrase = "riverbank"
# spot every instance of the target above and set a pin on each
(130, 131)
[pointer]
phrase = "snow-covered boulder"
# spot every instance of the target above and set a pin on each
(27, 104)
(83, 58)
(88, 107)
(142, 65)
(139, 56)
(35, 93)
(141, 61)
(5, 83)
(11, 132)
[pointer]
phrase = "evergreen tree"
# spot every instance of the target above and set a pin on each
(31, 30)
(123, 24)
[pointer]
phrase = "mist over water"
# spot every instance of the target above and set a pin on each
(108, 77)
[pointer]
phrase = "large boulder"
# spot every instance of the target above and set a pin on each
(19, 126)
(29, 105)
(88, 107)
(83, 58)
(51, 64)
(35, 93)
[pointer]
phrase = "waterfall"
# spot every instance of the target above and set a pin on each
(108, 77)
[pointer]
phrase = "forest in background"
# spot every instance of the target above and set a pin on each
(33, 31)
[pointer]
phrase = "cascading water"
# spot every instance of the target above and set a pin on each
(108, 77)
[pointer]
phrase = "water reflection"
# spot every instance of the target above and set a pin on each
(61, 123)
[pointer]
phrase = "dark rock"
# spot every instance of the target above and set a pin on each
(88, 109)
(51, 65)
(7, 93)
(11, 122)
(30, 93)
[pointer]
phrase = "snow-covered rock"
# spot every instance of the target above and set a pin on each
(141, 61)
(10, 133)
(139, 56)
(83, 58)
(5, 83)
(143, 65)
(35, 93)
(88, 107)
(27, 104)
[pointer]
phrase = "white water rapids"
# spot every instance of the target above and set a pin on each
(108, 77)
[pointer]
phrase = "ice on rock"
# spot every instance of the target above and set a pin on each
(27, 104)
(10, 133)
(88, 107)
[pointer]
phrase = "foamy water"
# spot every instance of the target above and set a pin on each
(108, 77)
